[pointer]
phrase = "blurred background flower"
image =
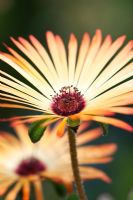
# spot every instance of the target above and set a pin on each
(63, 17)
(23, 163)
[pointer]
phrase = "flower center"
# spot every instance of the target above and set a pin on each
(30, 166)
(68, 101)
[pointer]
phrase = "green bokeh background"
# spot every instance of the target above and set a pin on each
(24, 17)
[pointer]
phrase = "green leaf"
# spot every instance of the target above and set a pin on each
(73, 123)
(72, 197)
(50, 192)
(60, 189)
(36, 130)
(105, 128)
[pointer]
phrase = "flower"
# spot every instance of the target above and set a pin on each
(23, 163)
(90, 83)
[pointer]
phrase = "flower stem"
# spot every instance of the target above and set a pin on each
(74, 161)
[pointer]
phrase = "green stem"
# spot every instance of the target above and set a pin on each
(74, 161)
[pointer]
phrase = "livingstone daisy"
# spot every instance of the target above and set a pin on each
(23, 163)
(92, 81)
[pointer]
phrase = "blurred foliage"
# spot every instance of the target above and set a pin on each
(22, 17)
(72, 197)
(130, 196)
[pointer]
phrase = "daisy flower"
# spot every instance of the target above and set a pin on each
(22, 163)
(90, 81)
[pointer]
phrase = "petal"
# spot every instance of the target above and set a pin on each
(13, 193)
(5, 185)
(38, 190)
(46, 89)
(118, 78)
(121, 59)
(63, 57)
(96, 151)
(61, 128)
(115, 122)
(89, 135)
(97, 64)
(72, 53)
(51, 42)
(99, 111)
(122, 110)
(41, 50)
(34, 56)
(82, 56)
(92, 173)
(98, 67)
(92, 52)
(22, 131)
(26, 190)
(7, 105)
(96, 160)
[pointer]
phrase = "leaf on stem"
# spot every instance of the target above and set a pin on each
(36, 130)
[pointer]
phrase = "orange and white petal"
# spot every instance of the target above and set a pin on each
(101, 160)
(89, 136)
(16, 91)
(7, 105)
(93, 50)
(38, 190)
(23, 88)
(9, 140)
(117, 63)
(97, 64)
(105, 57)
(41, 50)
(13, 193)
(33, 55)
(26, 190)
(16, 103)
(118, 78)
(4, 185)
(102, 111)
(22, 131)
(61, 128)
(121, 89)
(60, 172)
(18, 59)
(47, 69)
(98, 151)
(53, 48)
(63, 57)
(93, 173)
(72, 53)
(122, 110)
(112, 121)
(83, 50)
(27, 76)
(99, 103)
(83, 127)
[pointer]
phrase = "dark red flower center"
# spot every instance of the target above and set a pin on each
(30, 166)
(68, 101)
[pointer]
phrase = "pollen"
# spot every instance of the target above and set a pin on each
(68, 101)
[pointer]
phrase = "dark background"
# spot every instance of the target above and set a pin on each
(23, 17)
